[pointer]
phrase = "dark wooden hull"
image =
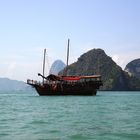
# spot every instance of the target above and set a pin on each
(86, 89)
(42, 92)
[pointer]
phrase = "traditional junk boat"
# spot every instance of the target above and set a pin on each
(66, 85)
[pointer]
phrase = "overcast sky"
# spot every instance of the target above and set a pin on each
(29, 26)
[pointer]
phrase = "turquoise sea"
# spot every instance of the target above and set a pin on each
(107, 116)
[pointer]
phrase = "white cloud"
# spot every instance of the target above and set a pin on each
(115, 58)
(12, 66)
(122, 59)
(8, 69)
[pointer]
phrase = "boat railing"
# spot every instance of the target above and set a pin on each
(33, 82)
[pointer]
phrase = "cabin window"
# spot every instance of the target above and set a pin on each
(82, 80)
(93, 79)
(88, 79)
(98, 79)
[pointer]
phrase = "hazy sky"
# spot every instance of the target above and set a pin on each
(29, 26)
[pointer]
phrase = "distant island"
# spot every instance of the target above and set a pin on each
(133, 68)
(8, 85)
(56, 67)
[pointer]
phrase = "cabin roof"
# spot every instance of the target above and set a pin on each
(91, 76)
(72, 78)
(53, 77)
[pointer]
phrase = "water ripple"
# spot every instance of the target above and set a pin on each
(108, 116)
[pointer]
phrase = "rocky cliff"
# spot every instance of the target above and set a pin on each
(56, 67)
(133, 68)
(96, 61)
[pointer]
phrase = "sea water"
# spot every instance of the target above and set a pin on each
(107, 116)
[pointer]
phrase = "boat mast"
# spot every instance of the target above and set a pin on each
(68, 53)
(67, 57)
(44, 64)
